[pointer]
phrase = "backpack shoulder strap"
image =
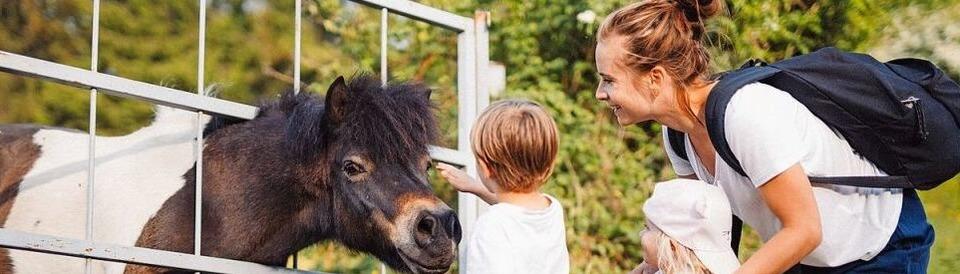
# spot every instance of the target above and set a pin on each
(716, 107)
(677, 142)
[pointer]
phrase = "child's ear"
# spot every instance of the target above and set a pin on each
(484, 170)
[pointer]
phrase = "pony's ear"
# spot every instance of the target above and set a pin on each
(425, 94)
(336, 100)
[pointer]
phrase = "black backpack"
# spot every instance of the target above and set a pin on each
(903, 115)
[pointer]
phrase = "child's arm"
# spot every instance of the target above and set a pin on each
(463, 182)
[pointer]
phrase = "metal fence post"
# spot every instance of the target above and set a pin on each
(298, 13)
(92, 128)
(384, 14)
(198, 202)
(466, 94)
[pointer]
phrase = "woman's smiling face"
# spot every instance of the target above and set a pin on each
(633, 97)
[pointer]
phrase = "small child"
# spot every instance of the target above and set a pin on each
(515, 142)
(688, 230)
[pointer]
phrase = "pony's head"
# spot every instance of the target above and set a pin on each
(366, 149)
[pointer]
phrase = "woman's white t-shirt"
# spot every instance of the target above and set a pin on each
(769, 131)
(511, 239)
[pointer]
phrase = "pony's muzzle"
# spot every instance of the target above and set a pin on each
(432, 227)
(428, 240)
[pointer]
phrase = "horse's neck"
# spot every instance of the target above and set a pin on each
(260, 229)
(252, 208)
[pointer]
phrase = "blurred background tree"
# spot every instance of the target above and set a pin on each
(604, 172)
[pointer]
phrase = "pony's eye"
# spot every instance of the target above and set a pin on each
(352, 169)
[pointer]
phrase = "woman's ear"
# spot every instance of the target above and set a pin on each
(656, 76)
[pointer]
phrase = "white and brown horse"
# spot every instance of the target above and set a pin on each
(351, 169)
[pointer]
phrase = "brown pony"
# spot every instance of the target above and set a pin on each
(351, 169)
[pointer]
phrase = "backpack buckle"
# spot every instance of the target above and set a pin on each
(753, 63)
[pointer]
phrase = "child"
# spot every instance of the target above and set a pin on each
(688, 230)
(515, 143)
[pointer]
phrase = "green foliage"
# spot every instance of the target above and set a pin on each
(924, 33)
(943, 212)
(774, 30)
(603, 172)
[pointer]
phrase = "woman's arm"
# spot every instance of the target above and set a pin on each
(790, 197)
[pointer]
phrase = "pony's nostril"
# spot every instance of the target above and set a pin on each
(433, 227)
(452, 225)
(427, 225)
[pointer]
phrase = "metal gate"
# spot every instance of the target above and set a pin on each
(473, 95)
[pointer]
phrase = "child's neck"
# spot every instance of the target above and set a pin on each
(528, 200)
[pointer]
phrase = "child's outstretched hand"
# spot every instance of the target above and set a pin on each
(463, 182)
(459, 179)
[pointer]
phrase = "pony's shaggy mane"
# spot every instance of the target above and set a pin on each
(369, 105)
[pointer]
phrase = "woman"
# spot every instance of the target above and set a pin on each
(654, 66)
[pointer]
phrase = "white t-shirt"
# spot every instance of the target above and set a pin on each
(769, 131)
(510, 239)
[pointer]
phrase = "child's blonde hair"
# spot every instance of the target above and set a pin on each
(673, 257)
(517, 141)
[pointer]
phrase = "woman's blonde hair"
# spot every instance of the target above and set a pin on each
(517, 141)
(672, 257)
(668, 33)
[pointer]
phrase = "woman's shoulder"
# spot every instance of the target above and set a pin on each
(765, 130)
(760, 97)
(760, 104)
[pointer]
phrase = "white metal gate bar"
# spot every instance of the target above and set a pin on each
(92, 128)
(298, 14)
(383, 46)
(383, 70)
(198, 167)
(470, 207)
(298, 10)
(466, 92)
(451, 156)
(113, 85)
(421, 12)
(126, 254)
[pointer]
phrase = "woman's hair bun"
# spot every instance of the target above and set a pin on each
(698, 10)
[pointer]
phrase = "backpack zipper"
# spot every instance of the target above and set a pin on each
(914, 103)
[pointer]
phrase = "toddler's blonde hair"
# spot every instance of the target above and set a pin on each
(517, 141)
(673, 257)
